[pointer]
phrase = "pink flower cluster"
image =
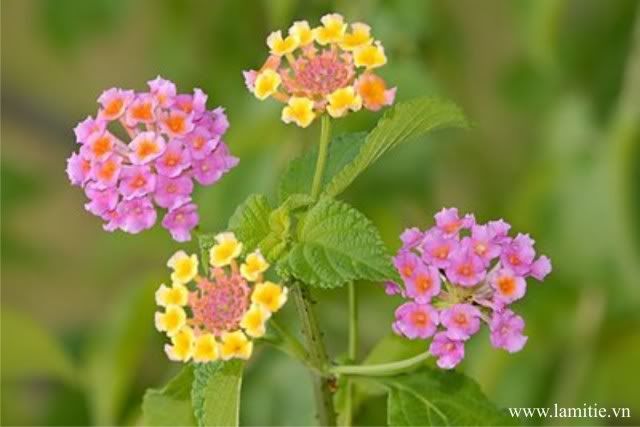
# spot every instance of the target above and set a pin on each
(170, 140)
(459, 274)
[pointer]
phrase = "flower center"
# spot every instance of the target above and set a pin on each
(441, 252)
(114, 107)
(465, 270)
(107, 171)
(320, 75)
(142, 111)
(171, 159)
(198, 142)
(507, 285)
(218, 306)
(460, 319)
(176, 123)
(147, 148)
(102, 146)
(407, 271)
(423, 283)
(419, 318)
(138, 182)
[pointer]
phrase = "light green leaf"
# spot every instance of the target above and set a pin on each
(299, 175)
(405, 121)
(171, 405)
(216, 393)
(30, 351)
(336, 244)
(250, 222)
(258, 225)
(117, 349)
(434, 397)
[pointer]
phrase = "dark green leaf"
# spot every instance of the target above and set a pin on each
(404, 122)
(434, 397)
(336, 244)
(171, 405)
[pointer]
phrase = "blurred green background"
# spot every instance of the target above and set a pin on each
(553, 87)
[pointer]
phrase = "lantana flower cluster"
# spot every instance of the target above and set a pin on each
(218, 316)
(171, 141)
(328, 68)
(459, 274)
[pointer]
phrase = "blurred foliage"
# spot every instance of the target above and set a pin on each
(551, 87)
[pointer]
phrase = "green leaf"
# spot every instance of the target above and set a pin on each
(216, 393)
(298, 177)
(405, 121)
(117, 351)
(30, 351)
(336, 244)
(171, 405)
(250, 222)
(258, 225)
(434, 397)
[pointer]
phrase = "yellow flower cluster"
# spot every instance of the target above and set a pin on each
(327, 68)
(217, 317)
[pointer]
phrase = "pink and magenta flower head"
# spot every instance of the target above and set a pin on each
(329, 69)
(458, 275)
(168, 142)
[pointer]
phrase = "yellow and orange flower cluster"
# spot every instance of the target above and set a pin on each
(328, 68)
(217, 317)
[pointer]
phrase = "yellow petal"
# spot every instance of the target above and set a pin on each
(254, 265)
(181, 348)
(172, 320)
(332, 29)
(269, 295)
(175, 295)
(185, 267)
(281, 46)
(235, 345)
(227, 249)
(299, 111)
(205, 348)
(370, 56)
(266, 84)
(360, 35)
(302, 32)
(342, 100)
(254, 320)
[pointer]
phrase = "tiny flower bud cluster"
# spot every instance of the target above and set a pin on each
(217, 317)
(321, 70)
(459, 274)
(172, 140)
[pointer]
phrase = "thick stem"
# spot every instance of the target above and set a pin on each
(321, 162)
(383, 369)
(322, 383)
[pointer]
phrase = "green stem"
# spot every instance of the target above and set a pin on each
(383, 369)
(291, 345)
(322, 383)
(353, 322)
(353, 350)
(321, 162)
